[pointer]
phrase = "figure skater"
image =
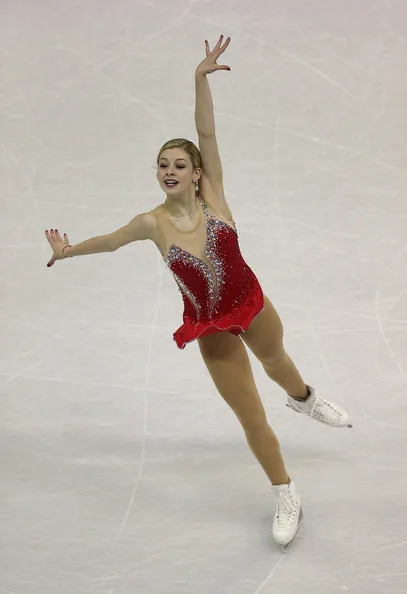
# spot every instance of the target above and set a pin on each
(224, 305)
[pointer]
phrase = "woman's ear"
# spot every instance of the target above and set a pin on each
(197, 175)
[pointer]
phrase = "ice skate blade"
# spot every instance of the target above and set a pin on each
(285, 547)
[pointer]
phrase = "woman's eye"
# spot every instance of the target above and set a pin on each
(163, 166)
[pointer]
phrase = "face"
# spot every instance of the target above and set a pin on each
(175, 172)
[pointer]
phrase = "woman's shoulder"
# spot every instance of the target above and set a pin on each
(152, 220)
(157, 210)
(148, 221)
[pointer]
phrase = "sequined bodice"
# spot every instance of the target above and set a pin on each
(211, 286)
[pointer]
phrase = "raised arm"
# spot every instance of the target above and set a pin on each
(141, 227)
(212, 174)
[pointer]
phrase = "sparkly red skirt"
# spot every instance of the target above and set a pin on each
(236, 321)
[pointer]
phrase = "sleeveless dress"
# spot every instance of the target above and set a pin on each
(219, 291)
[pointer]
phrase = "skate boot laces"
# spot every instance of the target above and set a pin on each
(320, 409)
(315, 407)
(286, 510)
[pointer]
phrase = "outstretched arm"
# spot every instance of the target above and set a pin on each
(212, 175)
(141, 227)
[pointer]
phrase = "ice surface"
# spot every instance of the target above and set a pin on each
(123, 471)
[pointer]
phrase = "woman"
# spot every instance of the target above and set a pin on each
(224, 306)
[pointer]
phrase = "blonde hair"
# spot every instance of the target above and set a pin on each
(190, 148)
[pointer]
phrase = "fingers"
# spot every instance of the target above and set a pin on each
(225, 45)
(219, 48)
(54, 236)
(51, 236)
(55, 240)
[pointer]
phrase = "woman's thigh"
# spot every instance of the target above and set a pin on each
(264, 337)
(228, 363)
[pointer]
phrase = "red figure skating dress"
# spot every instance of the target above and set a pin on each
(219, 290)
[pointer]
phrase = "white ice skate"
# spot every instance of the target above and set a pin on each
(321, 409)
(288, 514)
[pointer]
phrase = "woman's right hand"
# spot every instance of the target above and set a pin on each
(57, 244)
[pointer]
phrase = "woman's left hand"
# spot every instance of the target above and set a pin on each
(209, 64)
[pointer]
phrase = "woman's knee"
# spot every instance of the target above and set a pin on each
(274, 359)
(260, 432)
(252, 419)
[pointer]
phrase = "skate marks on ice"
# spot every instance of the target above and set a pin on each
(284, 550)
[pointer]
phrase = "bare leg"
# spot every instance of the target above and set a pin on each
(265, 339)
(228, 363)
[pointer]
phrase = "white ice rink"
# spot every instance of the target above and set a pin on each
(122, 470)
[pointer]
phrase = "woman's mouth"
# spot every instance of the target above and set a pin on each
(170, 183)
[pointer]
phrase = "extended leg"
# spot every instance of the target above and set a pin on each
(265, 339)
(227, 361)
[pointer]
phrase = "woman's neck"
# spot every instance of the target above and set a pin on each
(179, 208)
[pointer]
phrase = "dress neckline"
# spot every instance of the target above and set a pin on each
(177, 248)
